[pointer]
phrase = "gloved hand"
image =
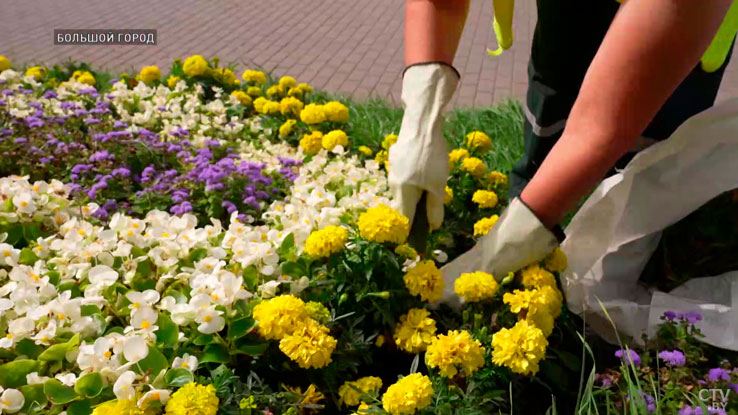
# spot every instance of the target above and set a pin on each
(418, 161)
(516, 240)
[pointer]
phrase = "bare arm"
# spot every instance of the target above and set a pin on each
(433, 29)
(651, 46)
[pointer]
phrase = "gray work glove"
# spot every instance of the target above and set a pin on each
(418, 161)
(517, 239)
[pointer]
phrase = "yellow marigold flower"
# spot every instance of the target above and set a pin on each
(326, 242)
(4, 63)
(415, 331)
(318, 312)
(286, 128)
(475, 286)
(312, 114)
(225, 76)
(86, 78)
(363, 409)
(383, 224)
(382, 157)
(544, 298)
(335, 138)
(275, 90)
(312, 143)
(305, 88)
(486, 199)
(127, 407)
(294, 92)
(519, 348)
(406, 251)
(453, 351)
(388, 141)
(265, 106)
(479, 141)
(379, 341)
(365, 151)
(280, 316)
(253, 91)
(484, 225)
(242, 97)
(287, 82)
(149, 74)
(556, 261)
(259, 104)
(37, 72)
(309, 345)
(497, 179)
(172, 81)
(336, 111)
(290, 106)
(351, 393)
(258, 77)
(457, 155)
(449, 196)
(311, 396)
(535, 276)
(195, 65)
(425, 280)
(543, 320)
(409, 394)
(474, 166)
(193, 399)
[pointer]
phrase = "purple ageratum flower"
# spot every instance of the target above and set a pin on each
(88, 91)
(181, 209)
(91, 120)
(101, 155)
(50, 95)
(673, 358)
(692, 317)
(3, 103)
(229, 206)
(633, 356)
(647, 399)
(688, 410)
(673, 315)
(20, 140)
(717, 374)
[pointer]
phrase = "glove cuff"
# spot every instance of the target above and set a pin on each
(458, 75)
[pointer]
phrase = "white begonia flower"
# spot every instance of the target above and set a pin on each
(123, 387)
(24, 203)
(209, 265)
(208, 318)
(34, 379)
(8, 255)
(144, 320)
(5, 305)
(296, 287)
(160, 395)
(141, 300)
(11, 400)
(135, 349)
(440, 256)
(102, 276)
(68, 379)
(269, 289)
(186, 361)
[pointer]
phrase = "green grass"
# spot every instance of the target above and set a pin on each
(374, 118)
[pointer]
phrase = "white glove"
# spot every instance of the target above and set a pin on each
(518, 239)
(418, 161)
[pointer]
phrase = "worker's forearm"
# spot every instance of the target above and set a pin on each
(433, 29)
(651, 46)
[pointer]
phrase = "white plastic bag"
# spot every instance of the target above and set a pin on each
(613, 235)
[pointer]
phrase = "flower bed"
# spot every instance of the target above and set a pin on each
(198, 244)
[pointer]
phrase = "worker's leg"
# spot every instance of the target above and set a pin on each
(564, 44)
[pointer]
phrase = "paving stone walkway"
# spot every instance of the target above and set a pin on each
(348, 46)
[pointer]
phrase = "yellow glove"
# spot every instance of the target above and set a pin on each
(503, 25)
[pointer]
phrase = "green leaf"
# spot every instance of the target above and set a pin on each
(89, 309)
(80, 408)
(215, 353)
(59, 393)
(203, 339)
(154, 362)
(34, 396)
(251, 347)
(240, 327)
(197, 255)
(13, 374)
(31, 231)
(178, 377)
(54, 277)
(27, 257)
(59, 351)
(28, 347)
(293, 269)
(89, 385)
(287, 246)
(168, 333)
(250, 277)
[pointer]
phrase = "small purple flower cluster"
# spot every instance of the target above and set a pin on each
(134, 169)
(690, 317)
